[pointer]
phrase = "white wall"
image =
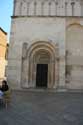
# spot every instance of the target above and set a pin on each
(31, 30)
(75, 54)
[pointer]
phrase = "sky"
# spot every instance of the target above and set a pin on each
(6, 11)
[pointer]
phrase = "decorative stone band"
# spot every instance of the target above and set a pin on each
(46, 7)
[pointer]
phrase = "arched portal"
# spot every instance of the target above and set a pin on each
(41, 65)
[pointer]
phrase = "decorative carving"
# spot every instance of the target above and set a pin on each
(24, 50)
(49, 3)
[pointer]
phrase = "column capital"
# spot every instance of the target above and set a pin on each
(56, 3)
(72, 3)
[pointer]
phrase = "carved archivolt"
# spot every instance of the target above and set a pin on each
(38, 53)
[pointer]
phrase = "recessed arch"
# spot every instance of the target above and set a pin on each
(74, 24)
(40, 44)
(41, 53)
(74, 51)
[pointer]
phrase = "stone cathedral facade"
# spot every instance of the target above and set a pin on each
(46, 44)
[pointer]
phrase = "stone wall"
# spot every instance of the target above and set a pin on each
(31, 30)
(58, 23)
(74, 51)
(3, 46)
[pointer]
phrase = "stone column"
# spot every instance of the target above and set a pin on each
(49, 11)
(24, 81)
(61, 85)
(56, 4)
(35, 6)
(65, 8)
(20, 9)
(56, 77)
(28, 4)
(24, 74)
(81, 4)
(72, 4)
(14, 7)
(42, 8)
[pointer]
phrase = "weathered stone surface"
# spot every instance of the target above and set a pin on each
(44, 39)
(47, 108)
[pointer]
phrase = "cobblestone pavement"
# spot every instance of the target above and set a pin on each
(43, 108)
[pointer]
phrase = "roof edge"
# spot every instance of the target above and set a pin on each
(3, 31)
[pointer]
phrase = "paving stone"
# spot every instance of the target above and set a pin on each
(43, 108)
